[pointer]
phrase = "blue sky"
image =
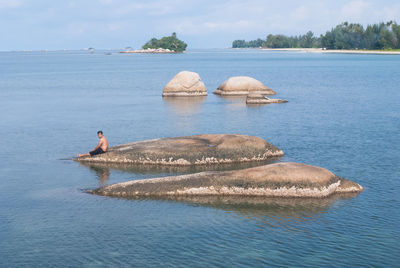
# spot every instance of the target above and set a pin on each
(73, 24)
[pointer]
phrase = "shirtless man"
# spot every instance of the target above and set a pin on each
(101, 148)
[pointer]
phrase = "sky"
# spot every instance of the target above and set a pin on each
(114, 24)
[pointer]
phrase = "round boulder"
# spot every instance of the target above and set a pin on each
(185, 84)
(242, 85)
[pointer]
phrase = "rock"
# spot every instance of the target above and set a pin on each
(191, 150)
(254, 98)
(150, 50)
(185, 83)
(242, 85)
(274, 180)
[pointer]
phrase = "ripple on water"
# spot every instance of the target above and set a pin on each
(53, 103)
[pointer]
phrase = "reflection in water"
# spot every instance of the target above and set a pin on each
(185, 105)
(160, 169)
(239, 98)
(235, 102)
(273, 212)
(103, 173)
(254, 105)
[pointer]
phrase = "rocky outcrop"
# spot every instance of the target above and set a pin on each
(253, 98)
(185, 83)
(191, 150)
(274, 180)
(242, 85)
(150, 50)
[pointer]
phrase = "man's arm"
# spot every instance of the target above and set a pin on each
(98, 145)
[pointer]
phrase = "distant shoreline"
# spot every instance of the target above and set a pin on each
(304, 50)
(339, 51)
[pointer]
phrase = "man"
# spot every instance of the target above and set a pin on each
(101, 148)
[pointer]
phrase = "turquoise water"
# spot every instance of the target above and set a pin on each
(343, 114)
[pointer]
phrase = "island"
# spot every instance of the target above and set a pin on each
(167, 44)
(347, 37)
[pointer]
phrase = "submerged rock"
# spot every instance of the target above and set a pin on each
(185, 83)
(191, 150)
(274, 180)
(242, 85)
(253, 98)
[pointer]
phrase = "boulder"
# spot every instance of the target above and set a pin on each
(190, 150)
(274, 180)
(185, 83)
(254, 98)
(242, 85)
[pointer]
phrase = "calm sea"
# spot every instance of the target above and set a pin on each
(343, 114)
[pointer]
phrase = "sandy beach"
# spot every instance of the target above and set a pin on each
(342, 51)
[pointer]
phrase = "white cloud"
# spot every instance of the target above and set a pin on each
(154, 8)
(10, 3)
(355, 10)
(113, 27)
(223, 26)
(106, 2)
(388, 13)
(301, 13)
(189, 27)
(207, 22)
(84, 28)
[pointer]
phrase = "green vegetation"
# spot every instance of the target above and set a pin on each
(382, 36)
(168, 42)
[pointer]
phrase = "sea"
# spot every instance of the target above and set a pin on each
(343, 114)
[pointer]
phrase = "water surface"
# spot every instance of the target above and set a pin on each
(343, 114)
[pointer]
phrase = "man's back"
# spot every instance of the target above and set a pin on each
(104, 143)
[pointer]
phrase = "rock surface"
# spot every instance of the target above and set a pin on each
(274, 180)
(191, 150)
(185, 83)
(253, 98)
(242, 85)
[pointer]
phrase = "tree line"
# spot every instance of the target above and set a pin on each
(344, 36)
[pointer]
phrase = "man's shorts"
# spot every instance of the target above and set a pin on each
(97, 151)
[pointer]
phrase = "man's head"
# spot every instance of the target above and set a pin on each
(100, 134)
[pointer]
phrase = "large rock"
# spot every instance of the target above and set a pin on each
(185, 83)
(191, 150)
(254, 98)
(242, 85)
(274, 180)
